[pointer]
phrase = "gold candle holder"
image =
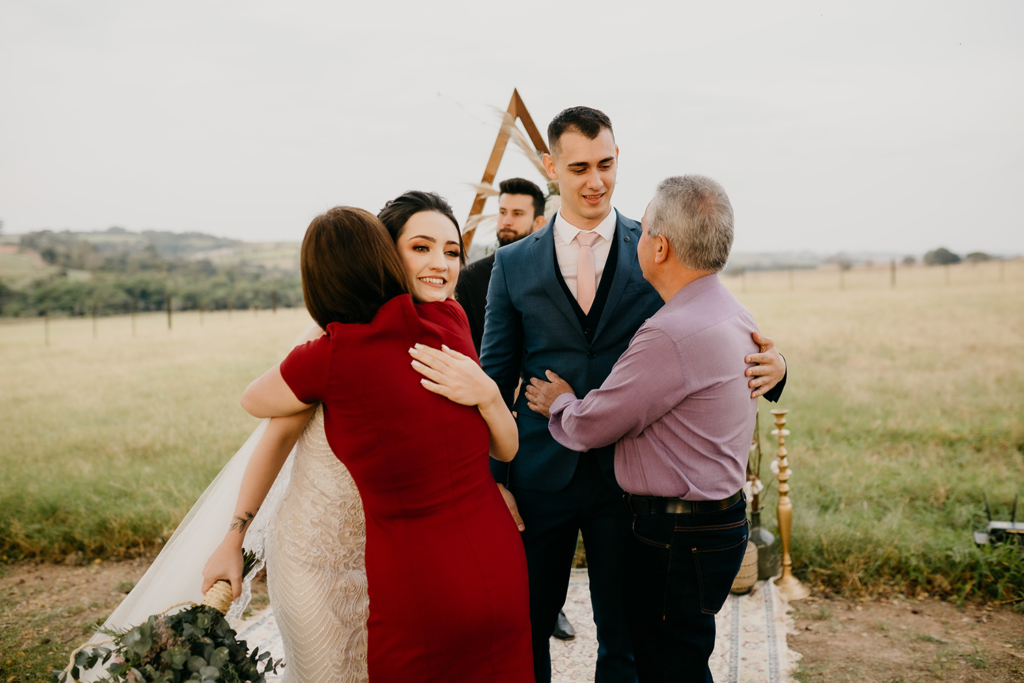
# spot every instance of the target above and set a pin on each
(787, 583)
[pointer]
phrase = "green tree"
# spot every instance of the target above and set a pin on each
(940, 257)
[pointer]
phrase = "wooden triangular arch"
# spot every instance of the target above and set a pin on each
(516, 110)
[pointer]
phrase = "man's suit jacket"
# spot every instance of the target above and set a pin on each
(471, 292)
(531, 327)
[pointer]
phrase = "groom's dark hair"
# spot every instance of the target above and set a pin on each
(349, 267)
(586, 121)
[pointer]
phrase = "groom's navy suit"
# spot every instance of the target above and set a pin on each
(534, 324)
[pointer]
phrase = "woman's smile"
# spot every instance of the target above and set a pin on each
(439, 281)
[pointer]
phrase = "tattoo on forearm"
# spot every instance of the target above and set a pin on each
(242, 522)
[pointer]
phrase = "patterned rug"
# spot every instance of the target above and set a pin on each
(750, 646)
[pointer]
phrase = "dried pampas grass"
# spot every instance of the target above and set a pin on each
(473, 222)
(509, 128)
(484, 189)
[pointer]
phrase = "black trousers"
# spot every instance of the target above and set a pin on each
(679, 569)
(591, 505)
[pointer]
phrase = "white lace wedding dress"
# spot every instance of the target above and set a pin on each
(311, 532)
(315, 572)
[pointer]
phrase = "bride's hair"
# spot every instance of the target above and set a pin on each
(349, 267)
(397, 212)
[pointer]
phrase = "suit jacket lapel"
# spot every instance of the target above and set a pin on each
(624, 264)
(543, 254)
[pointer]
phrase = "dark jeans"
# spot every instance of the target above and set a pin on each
(591, 505)
(679, 569)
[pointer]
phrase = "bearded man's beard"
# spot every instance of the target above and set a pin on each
(508, 237)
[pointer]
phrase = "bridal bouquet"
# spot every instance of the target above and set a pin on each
(195, 644)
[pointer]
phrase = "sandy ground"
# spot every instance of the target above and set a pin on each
(904, 640)
(46, 610)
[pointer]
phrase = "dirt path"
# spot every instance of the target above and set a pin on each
(46, 610)
(905, 640)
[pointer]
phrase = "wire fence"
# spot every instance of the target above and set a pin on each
(95, 323)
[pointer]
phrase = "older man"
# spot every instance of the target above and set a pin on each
(677, 407)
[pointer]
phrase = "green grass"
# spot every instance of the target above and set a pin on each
(106, 443)
(906, 408)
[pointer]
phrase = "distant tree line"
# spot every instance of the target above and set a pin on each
(943, 256)
(139, 277)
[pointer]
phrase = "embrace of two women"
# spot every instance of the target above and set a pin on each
(402, 402)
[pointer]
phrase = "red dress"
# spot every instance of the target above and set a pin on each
(445, 566)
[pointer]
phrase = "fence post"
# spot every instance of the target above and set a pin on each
(273, 301)
(169, 302)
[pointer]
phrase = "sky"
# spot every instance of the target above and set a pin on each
(847, 126)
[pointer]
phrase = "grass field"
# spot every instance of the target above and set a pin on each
(105, 443)
(907, 407)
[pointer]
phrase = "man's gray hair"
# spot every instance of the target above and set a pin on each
(695, 216)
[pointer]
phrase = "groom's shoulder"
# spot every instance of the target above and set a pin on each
(626, 222)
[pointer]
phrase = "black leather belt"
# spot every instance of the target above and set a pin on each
(654, 505)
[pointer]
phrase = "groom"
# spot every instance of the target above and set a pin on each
(571, 296)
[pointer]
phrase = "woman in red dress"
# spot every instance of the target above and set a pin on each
(445, 566)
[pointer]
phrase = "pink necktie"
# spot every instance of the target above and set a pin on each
(586, 270)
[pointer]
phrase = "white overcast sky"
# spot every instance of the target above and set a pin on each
(883, 126)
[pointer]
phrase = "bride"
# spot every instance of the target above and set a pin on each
(315, 535)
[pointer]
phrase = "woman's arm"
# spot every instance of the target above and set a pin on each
(458, 378)
(270, 396)
(264, 465)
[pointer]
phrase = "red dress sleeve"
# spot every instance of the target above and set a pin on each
(306, 368)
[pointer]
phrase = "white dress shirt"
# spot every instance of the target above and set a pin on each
(567, 249)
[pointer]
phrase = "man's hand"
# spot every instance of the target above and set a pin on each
(510, 501)
(770, 368)
(540, 394)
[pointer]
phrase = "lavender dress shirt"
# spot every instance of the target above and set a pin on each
(676, 404)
